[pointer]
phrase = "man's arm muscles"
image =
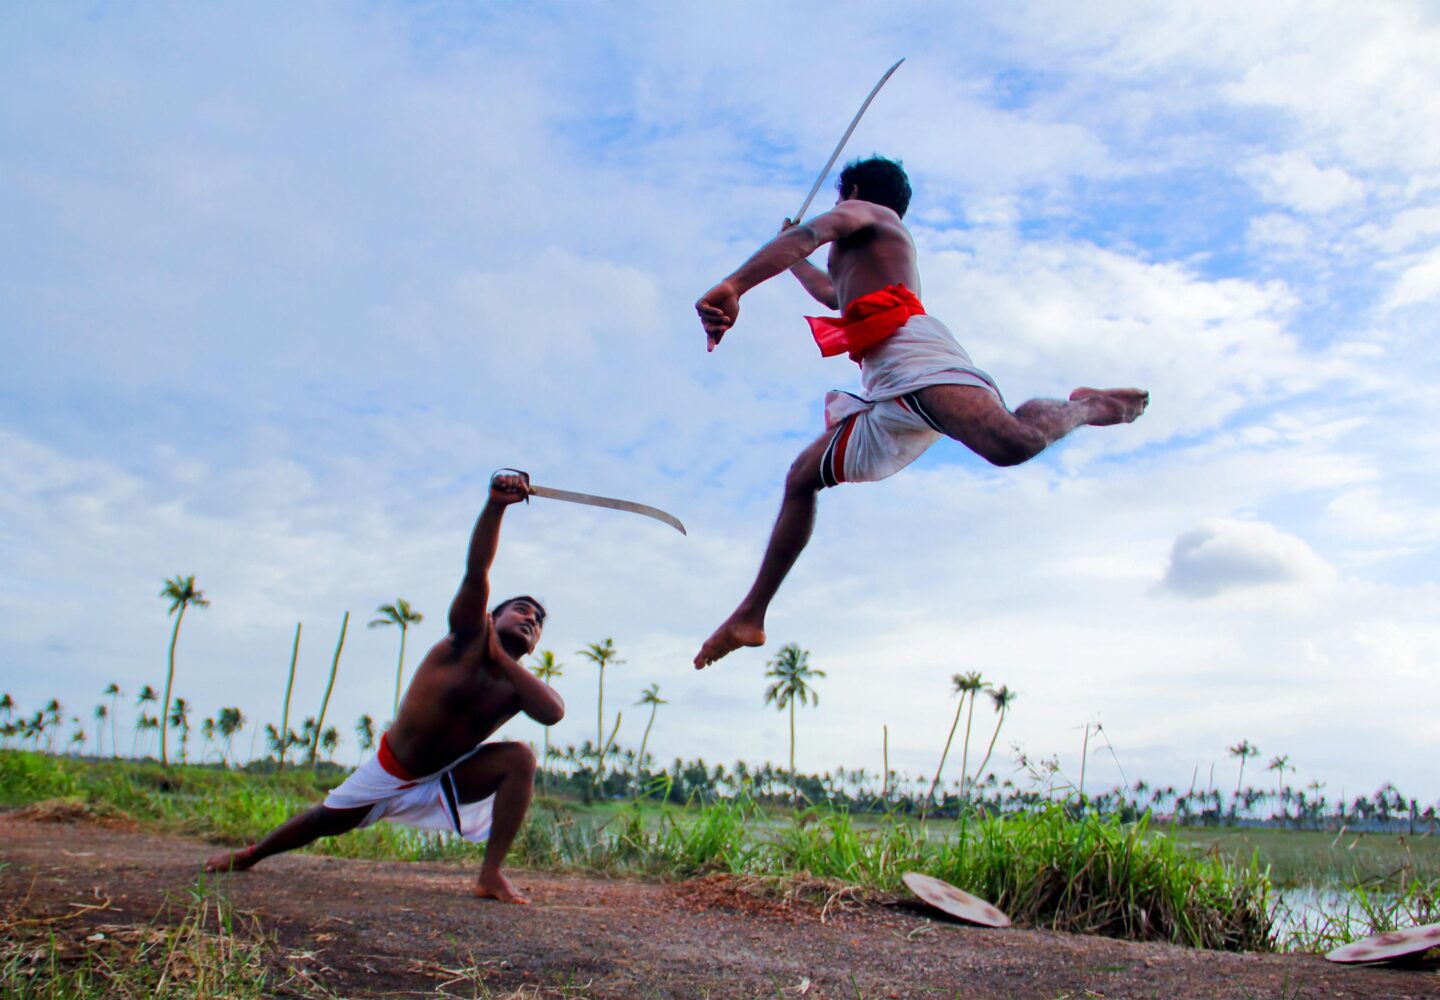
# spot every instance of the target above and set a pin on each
(537, 699)
(817, 283)
(467, 612)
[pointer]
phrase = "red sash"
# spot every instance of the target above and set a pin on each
(866, 322)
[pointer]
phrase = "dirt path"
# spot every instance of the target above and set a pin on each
(371, 929)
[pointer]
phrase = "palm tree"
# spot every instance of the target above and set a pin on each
(1243, 750)
(547, 668)
(650, 696)
(180, 718)
(53, 713)
(1280, 763)
(402, 614)
(229, 722)
(285, 711)
(965, 685)
(972, 683)
(147, 694)
(792, 673)
(113, 690)
(101, 714)
(330, 739)
(1002, 697)
(181, 592)
(325, 702)
(602, 654)
(365, 733)
(7, 705)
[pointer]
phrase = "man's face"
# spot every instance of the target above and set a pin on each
(520, 619)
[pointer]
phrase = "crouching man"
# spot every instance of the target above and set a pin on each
(433, 769)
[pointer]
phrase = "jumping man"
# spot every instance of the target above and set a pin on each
(919, 383)
(433, 769)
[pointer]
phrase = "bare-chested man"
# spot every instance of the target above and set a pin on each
(919, 383)
(433, 769)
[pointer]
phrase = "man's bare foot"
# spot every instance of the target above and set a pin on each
(730, 636)
(494, 885)
(1113, 406)
(232, 861)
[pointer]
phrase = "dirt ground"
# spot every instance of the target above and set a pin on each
(397, 929)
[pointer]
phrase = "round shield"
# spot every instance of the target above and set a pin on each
(956, 902)
(1391, 944)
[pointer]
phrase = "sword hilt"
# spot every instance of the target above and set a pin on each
(523, 475)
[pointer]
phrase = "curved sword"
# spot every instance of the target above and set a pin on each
(610, 503)
(841, 144)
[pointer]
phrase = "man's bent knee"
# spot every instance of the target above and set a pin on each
(519, 759)
(804, 474)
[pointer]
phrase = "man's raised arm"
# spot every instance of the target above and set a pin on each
(719, 308)
(468, 612)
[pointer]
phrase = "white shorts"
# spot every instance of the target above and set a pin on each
(430, 803)
(878, 434)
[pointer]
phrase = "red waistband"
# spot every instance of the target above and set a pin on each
(867, 321)
(388, 761)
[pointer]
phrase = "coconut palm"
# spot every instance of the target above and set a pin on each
(793, 674)
(101, 714)
(284, 743)
(403, 615)
(650, 696)
(966, 686)
(229, 722)
(329, 740)
(1002, 697)
(181, 592)
(546, 668)
(330, 686)
(1280, 763)
(365, 733)
(180, 718)
(1244, 750)
(54, 712)
(602, 654)
(113, 690)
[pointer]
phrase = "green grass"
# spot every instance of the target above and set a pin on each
(1046, 868)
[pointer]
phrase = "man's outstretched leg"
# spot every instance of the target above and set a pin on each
(977, 419)
(746, 624)
(297, 831)
(506, 771)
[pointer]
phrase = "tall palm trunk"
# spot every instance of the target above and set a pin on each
(965, 751)
(991, 748)
(399, 670)
(943, 754)
(114, 744)
(793, 782)
(640, 767)
(285, 713)
(325, 702)
(169, 680)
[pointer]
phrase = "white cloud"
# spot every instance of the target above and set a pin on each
(1295, 181)
(1226, 555)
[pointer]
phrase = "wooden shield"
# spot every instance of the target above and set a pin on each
(1391, 944)
(956, 902)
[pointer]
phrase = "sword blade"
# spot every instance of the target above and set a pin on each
(843, 140)
(610, 503)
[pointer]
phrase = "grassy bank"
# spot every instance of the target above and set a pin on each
(1047, 869)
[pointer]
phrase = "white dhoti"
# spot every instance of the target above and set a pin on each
(430, 803)
(879, 433)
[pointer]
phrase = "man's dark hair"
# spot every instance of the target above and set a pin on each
(526, 598)
(879, 180)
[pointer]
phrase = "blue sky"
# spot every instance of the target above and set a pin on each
(280, 287)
